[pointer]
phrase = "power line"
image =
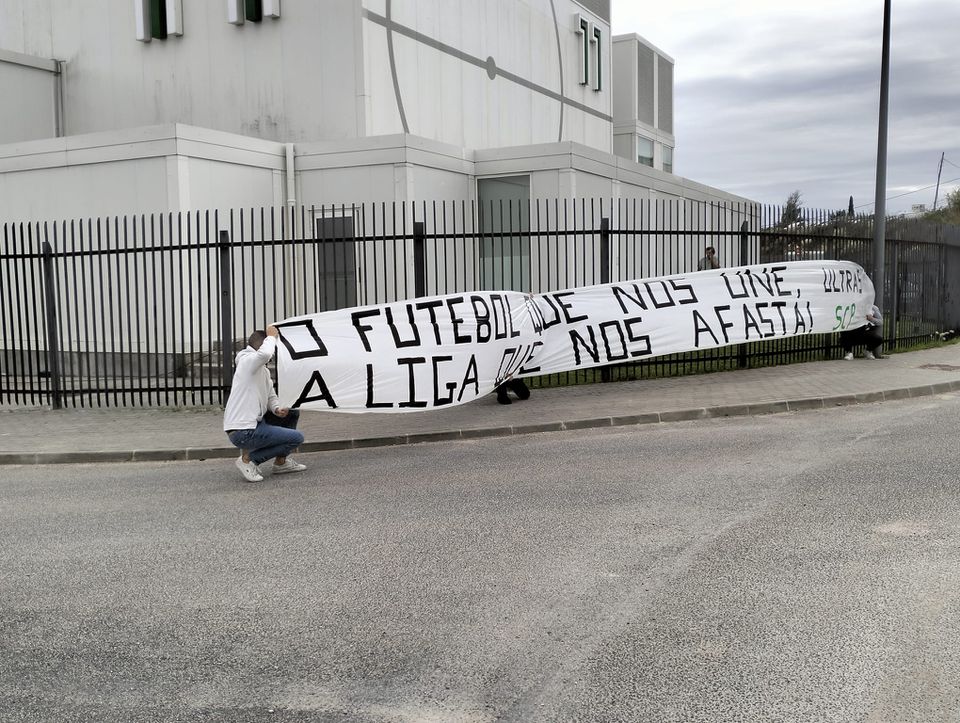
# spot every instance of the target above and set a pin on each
(916, 190)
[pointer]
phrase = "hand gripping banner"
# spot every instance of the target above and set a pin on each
(438, 351)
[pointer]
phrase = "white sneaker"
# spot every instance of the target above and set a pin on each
(848, 356)
(869, 355)
(289, 466)
(249, 470)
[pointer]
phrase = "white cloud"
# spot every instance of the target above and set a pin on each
(773, 97)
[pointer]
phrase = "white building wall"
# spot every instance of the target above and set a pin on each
(483, 74)
(637, 105)
(474, 74)
(28, 87)
(222, 185)
(179, 168)
(61, 192)
(141, 170)
(289, 78)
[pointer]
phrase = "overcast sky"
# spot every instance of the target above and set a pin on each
(771, 97)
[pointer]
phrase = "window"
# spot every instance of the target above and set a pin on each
(591, 36)
(645, 151)
(504, 218)
(667, 159)
(597, 40)
(239, 11)
(582, 28)
(334, 262)
(157, 19)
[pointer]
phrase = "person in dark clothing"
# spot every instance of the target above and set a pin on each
(513, 385)
(709, 260)
(870, 335)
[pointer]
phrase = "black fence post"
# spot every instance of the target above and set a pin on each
(605, 374)
(604, 250)
(746, 258)
(226, 315)
(941, 281)
(53, 339)
(419, 259)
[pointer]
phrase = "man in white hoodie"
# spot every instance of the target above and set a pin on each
(253, 419)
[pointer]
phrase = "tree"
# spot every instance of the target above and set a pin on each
(792, 210)
(949, 212)
(838, 215)
(850, 207)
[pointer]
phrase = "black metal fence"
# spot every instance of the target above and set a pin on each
(148, 310)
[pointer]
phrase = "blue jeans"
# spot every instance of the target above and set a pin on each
(273, 437)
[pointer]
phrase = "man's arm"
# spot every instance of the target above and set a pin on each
(273, 401)
(251, 364)
(269, 346)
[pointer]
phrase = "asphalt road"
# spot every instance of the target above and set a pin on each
(791, 567)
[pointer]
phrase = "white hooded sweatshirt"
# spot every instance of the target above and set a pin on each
(252, 394)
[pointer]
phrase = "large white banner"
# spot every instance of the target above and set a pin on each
(439, 351)
(423, 353)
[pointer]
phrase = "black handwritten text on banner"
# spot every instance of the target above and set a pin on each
(438, 351)
(408, 355)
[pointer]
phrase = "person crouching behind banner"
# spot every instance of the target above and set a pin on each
(253, 419)
(516, 386)
(870, 335)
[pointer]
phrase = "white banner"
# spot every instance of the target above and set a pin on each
(423, 353)
(439, 351)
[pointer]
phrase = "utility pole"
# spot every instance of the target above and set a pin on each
(879, 206)
(937, 192)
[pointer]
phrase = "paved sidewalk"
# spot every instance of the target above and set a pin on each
(43, 436)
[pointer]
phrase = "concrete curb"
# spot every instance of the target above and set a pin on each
(681, 415)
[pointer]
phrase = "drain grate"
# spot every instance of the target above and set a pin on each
(940, 367)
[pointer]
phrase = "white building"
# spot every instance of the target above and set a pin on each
(643, 103)
(137, 106)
